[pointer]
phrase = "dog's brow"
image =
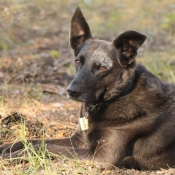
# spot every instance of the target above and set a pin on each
(102, 56)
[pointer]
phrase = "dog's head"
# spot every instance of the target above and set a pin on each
(104, 69)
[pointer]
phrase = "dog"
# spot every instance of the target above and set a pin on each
(127, 118)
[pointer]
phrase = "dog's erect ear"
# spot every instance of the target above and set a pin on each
(79, 31)
(127, 44)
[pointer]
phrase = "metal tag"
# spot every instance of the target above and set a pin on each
(84, 123)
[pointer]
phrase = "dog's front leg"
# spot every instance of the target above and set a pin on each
(71, 152)
(50, 150)
(74, 141)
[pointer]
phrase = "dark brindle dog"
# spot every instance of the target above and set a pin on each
(127, 116)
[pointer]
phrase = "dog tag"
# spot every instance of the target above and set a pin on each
(84, 123)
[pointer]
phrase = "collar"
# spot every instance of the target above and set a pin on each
(89, 107)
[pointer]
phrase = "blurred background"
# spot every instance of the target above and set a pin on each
(34, 36)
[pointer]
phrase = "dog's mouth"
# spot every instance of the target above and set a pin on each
(75, 98)
(88, 97)
(92, 103)
(82, 99)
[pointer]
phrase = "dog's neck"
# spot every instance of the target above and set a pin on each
(91, 107)
(129, 87)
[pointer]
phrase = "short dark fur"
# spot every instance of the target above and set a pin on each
(131, 112)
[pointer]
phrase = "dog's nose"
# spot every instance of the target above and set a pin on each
(73, 93)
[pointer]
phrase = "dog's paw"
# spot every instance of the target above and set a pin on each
(10, 148)
(4, 148)
(20, 155)
(15, 157)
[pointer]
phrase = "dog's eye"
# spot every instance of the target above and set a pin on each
(77, 62)
(102, 68)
